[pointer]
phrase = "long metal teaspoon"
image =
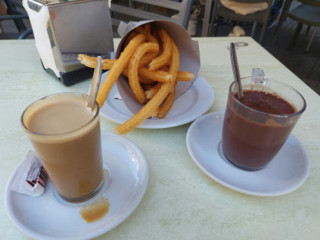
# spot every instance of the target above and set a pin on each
(95, 82)
(235, 69)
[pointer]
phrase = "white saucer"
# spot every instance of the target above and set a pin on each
(285, 173)
(186, 108)
(46, 217)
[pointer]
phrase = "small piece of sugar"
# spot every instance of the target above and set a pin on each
(31, 176)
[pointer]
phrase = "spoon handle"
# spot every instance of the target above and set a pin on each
(235, 69)
(95, 82)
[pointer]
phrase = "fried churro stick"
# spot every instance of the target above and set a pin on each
(146, 59)
(147, 86)
(146, 30)
(165, 67)
(154, 113)
(159, 75)
(147, 27)
(145, 111)
(173, 70)
(182, 75)
(133, 76)
(152, 91)
(165, 55)
(167, 104)
(129, 38)
(185, 76)
(152, 76)
(152, 38)
(145, 80)
(163, 76)
(141, 30)
(117, 68)
(91, 61)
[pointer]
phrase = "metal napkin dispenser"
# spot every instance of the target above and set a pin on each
(62, 29)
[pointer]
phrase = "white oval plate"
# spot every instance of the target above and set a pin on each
(46, 217)
(285, 173)
(186, 108)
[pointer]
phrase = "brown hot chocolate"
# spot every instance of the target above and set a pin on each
(251, 144)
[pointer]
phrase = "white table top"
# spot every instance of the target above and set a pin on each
(181, 202)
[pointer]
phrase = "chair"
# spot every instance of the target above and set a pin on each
(135, 10)
(16, 13)
(220, 11)
(308, 12)
(25, 34)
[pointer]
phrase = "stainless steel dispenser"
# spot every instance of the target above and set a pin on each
(63, 29)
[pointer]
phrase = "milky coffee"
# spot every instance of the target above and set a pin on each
(66, 135)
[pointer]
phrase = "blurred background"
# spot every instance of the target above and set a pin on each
(306, 65)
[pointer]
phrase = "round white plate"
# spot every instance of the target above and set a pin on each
(46, 217)
(186, 108)
(285, 173)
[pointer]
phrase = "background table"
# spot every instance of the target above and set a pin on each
(181, 202)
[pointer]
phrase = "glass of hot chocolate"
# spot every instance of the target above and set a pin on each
(257, 125)
(65, 133)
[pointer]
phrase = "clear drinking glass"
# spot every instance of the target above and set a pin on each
(251, 138)
(66, 136)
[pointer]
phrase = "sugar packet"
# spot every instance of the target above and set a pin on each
(31, 176)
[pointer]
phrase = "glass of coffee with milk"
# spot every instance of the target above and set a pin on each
(65, 133)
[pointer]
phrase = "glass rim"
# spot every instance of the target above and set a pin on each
(61, 134)
(297, 113)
